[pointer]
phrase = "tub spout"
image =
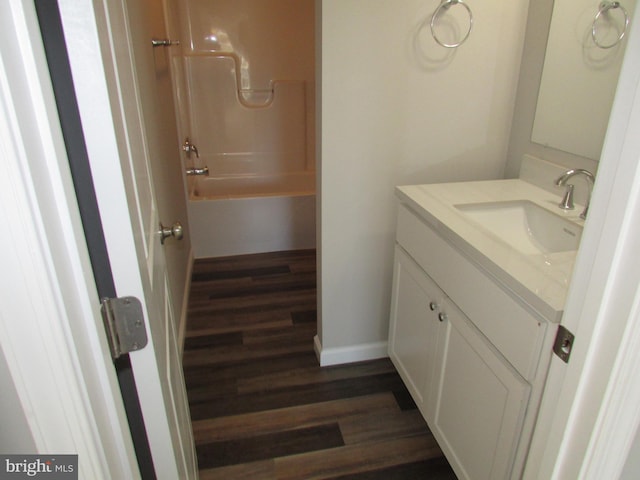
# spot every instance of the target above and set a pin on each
(197, 171)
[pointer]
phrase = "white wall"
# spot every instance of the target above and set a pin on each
(398, 109)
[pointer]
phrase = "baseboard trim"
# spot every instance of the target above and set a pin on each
(350, 354)
(182, 326)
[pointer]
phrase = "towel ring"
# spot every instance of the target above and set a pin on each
(444, 5)
(604, 7)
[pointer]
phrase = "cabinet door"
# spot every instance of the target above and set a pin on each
(414, 325)
(479, 404)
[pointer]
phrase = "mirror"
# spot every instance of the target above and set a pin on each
(582, 62)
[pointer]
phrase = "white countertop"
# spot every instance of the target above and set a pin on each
(540, 280)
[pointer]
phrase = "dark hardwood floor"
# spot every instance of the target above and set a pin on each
(261, 406)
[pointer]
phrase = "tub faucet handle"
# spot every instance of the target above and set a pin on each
(190, 148)
(197, 171)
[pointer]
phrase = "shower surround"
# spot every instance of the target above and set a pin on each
(248, 102)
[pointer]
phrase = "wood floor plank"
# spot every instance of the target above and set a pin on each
(280, 375)
(261, 470)
(208, 376)
(304, 316)
(262, 286)
(266, 336)
(258, 260)
(212, 341)
(278, 335)
(372, 427)
(351, 459)
(259, 400)
(289, 279)
(271, 445)
(230, 354)
(299, 416)
(433, 469)
(200, 289)
(212, 275)
(246, 313)
(299, 395)
(310, 375)
(216, 324)
(211, 392)
(270, 299)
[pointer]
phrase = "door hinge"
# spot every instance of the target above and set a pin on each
(124, 323)
(563, 344)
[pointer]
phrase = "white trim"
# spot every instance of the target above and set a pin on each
(182, 328)
(579, 405)
(98, 39)
(350, 354)
(619, 418)
(57, 352)
(317, 347)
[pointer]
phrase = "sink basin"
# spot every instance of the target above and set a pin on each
(525, 226)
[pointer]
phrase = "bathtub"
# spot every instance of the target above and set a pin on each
(244, 214)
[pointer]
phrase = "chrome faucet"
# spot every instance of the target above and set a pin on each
(567, 199)
(197, 171)
(190, 148)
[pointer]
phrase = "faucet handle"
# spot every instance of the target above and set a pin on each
(190, 148)
(567, 199)
(197, 171)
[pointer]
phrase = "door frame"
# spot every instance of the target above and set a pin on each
(57, 352)
(72, 130)
(590, 411)
(99, 45)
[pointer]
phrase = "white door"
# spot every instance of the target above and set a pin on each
(111, 102)
(146, 20)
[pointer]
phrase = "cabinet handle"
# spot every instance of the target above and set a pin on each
(442, 316)
(433, 306)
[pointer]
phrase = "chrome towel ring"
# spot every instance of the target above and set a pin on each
(445, 5)
(604, 8)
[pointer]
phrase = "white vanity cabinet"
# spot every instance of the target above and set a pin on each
(467, 351)
(415, 326)
(477, 401)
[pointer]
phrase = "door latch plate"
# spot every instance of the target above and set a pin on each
(563, 344)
